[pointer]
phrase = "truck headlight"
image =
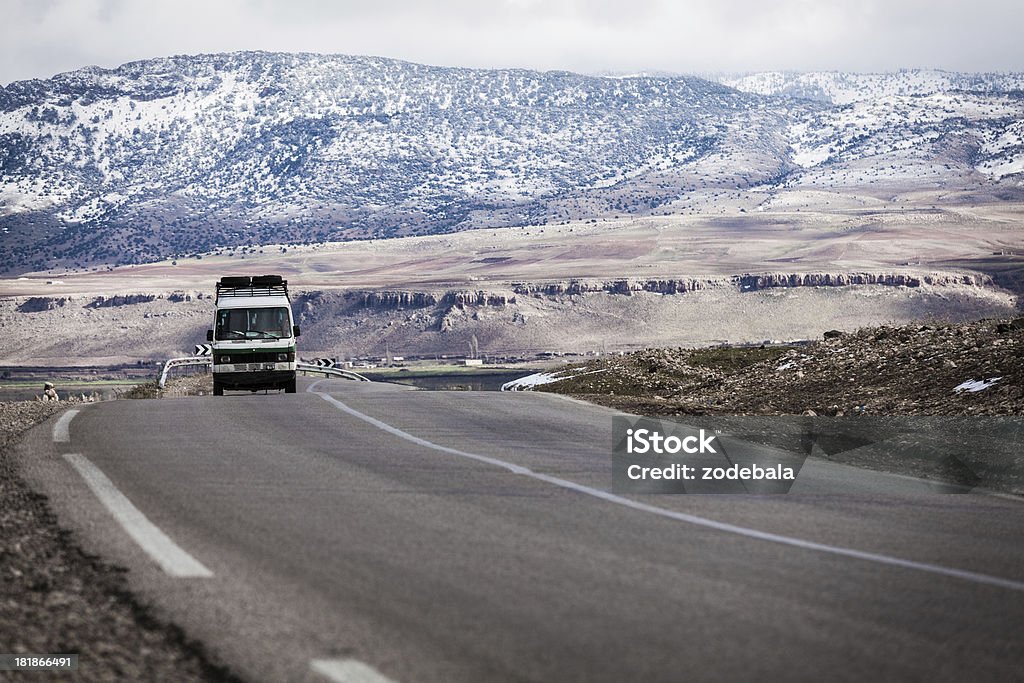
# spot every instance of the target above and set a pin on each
(286, 357)
(225, 359)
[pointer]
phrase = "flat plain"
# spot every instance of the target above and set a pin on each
(576, 287)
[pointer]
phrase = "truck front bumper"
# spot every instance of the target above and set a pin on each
(260, 376)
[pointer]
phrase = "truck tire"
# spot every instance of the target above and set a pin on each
(290, 387)
(218, 388)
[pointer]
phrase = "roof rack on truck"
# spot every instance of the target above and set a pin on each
(255, 285)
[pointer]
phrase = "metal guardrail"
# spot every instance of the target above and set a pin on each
(331, 372)
(299, 367)
(180, 363)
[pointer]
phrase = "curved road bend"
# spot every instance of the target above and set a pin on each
(368, 532)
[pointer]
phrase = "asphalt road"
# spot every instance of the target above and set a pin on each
(383, 533)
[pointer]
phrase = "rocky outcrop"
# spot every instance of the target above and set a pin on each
(751, 283)
(458, 305)
(748, 283)
(623, 286)
(479, 298)
(676, 286)
(455, 309)
(394, 299)
(551, 288)
(305, 304)
(38, 304)
(120, 300)
(446, 321)
(445, 302)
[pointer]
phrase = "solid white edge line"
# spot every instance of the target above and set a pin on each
(165, 552)
(975, 577)
(348, 671)
(61, 431)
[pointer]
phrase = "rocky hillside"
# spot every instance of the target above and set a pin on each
(186, 155)
(972, 368)
(181, 155)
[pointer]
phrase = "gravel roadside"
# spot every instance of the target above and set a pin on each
(940, 401)
(965, 369)
(57, 599)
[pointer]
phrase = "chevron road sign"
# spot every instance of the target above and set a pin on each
(202, 350)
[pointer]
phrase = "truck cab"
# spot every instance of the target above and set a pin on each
(253, 339)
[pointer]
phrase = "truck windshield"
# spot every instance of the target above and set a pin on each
(253, 323)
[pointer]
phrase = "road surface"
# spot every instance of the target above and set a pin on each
(370, 532)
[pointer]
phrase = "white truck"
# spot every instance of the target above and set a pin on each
(253, 340)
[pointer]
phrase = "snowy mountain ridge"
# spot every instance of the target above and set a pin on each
(835, 87)
(182, 155)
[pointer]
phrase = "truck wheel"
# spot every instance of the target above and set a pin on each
(290, 387)
(218, 388)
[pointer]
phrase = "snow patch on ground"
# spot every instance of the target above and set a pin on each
(973, 385)
(539, 378)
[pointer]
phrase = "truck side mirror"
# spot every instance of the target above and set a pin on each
(209, 335)
(296, 331)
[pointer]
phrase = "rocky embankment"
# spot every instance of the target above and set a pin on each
(972, 368)
(447, 305)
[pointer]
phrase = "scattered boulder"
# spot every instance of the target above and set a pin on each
(38, 304)
(120, 300)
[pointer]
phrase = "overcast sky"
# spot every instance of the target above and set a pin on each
(39, 38)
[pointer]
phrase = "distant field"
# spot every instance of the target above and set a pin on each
(809, 238)
(527, 270)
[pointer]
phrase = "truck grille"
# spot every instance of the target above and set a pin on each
(254, 357)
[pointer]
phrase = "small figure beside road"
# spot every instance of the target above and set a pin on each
(49, 393)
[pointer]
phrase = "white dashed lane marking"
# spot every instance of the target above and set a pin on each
(158, 545)
(347, 671)
(61, 431)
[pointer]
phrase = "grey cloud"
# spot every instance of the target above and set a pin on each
(32, 10)
(41, 37)
(108, 10)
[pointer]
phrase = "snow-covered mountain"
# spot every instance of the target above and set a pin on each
(836, 87)
(920, 117)
(186, 154)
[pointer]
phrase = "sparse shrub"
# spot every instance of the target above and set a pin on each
(147, 390)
